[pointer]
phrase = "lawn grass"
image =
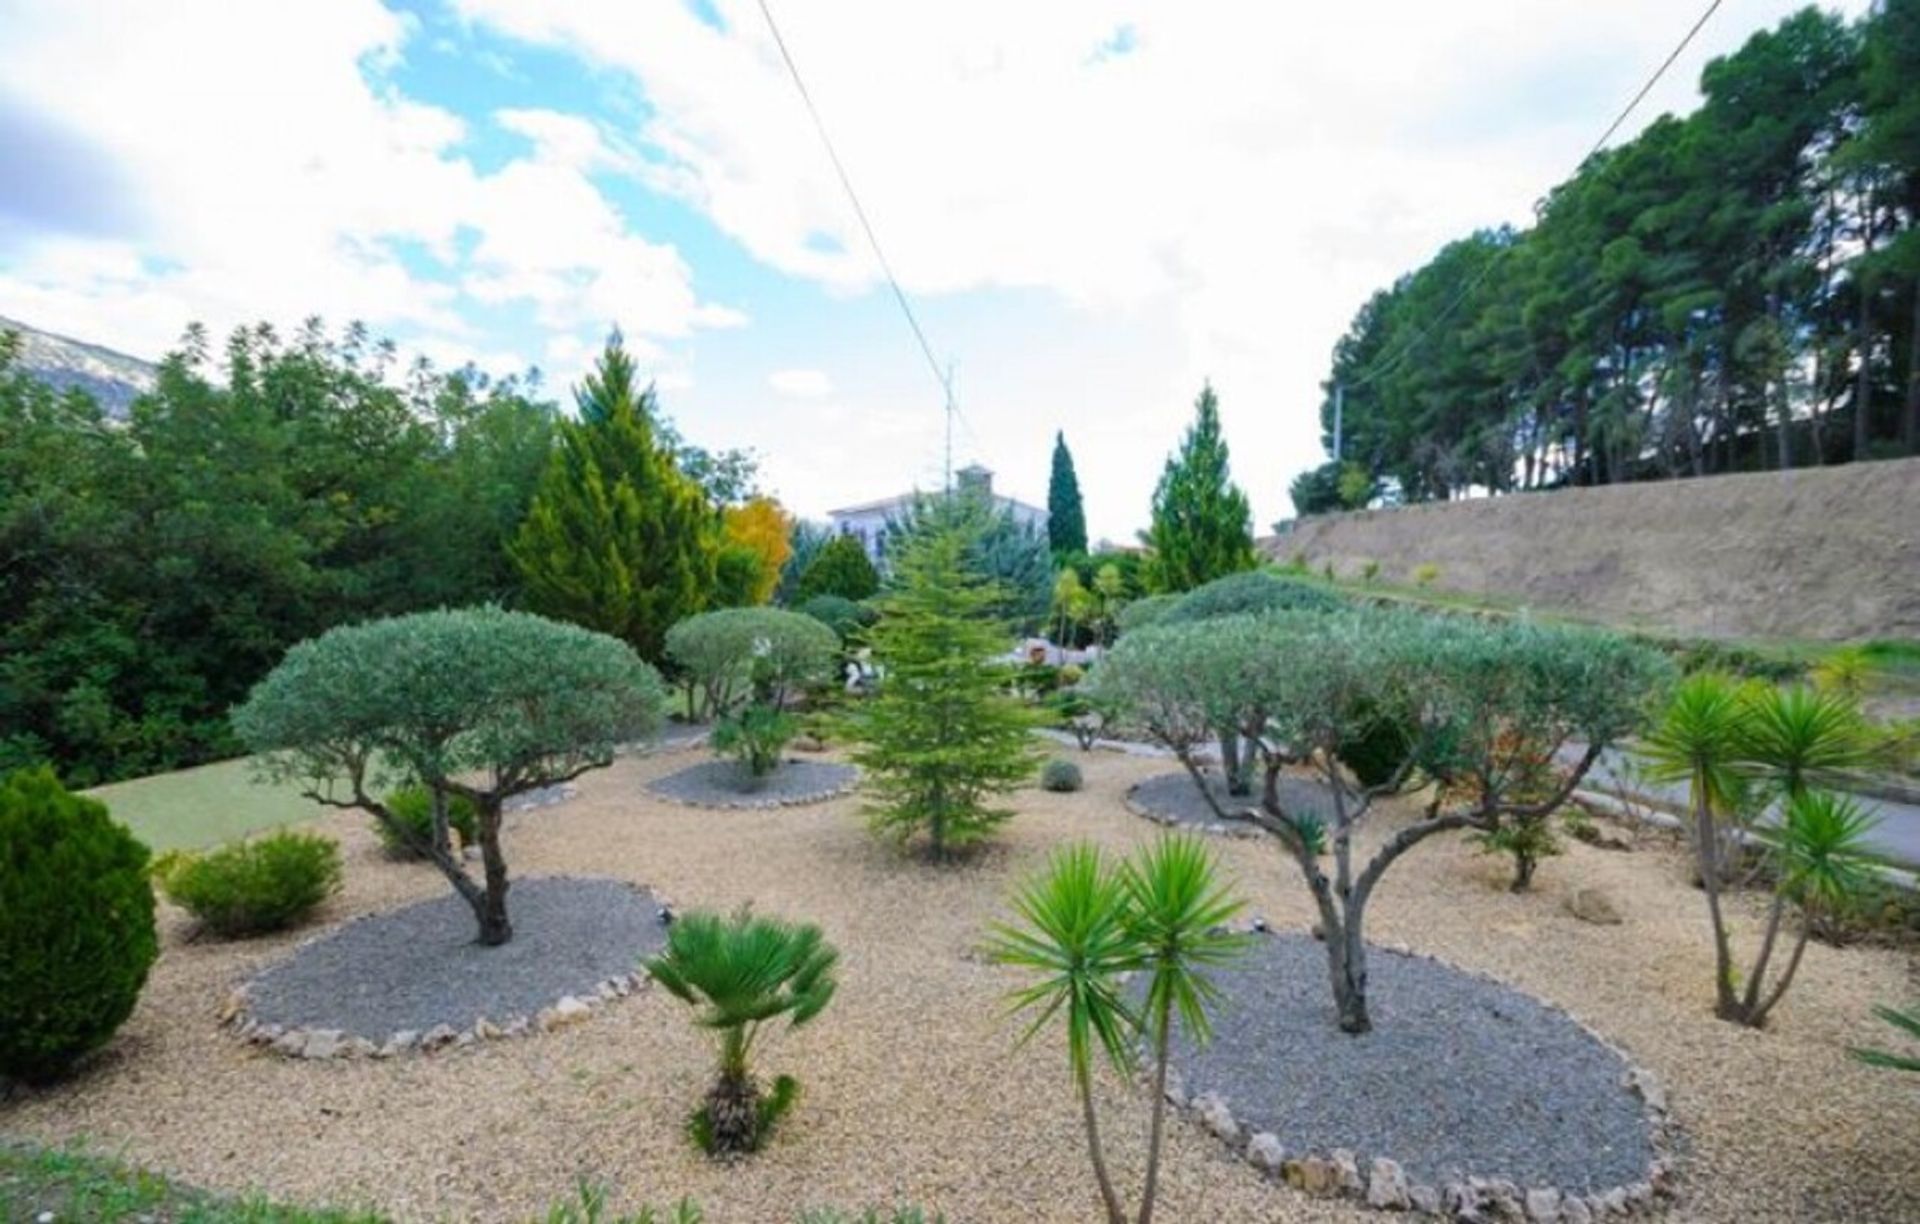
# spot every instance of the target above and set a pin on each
(71, 1185)
(203, 806)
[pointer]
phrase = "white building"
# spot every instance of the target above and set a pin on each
(868, 520)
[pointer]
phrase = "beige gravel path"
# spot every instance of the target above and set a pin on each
(913, 1089)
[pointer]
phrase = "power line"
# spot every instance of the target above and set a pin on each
(1406, 350)
(859, 210)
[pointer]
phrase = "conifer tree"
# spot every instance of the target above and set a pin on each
(941, 737)
(1066, 518)
(617, 538)
(1202, 526)
(840, 567)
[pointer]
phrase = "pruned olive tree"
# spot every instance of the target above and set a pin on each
(1304, 688)
(767, 653)
(478, 703)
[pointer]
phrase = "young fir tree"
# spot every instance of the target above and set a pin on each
(941, 737)
(1202, 526)
(1066, 519)
(839, 567)
(617, 538)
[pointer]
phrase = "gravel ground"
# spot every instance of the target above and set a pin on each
(913, 1086)
(1461, 1076)
(418, 966)
(727, 784)
(1174, 798)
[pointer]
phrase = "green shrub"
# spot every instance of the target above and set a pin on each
(1144, 611)
(412, 807)
(1253, 591)
(1369, 571)
(1426, 574)
(252, 887)
(846, 618)
(1071, 674)
(76, 925)
(1058, 775)
(755, 737)
(768, 652)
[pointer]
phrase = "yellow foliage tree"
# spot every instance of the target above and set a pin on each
(762, 525)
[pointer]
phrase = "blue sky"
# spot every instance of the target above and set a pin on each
(1093, 205)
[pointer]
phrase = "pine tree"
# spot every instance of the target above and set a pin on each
(840, 567)
(941, 737)
(617, 538)
(1066, 519)
(1202, 526)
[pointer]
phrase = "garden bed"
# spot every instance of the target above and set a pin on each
(413, 980)
(728, 784)
(1173, 799)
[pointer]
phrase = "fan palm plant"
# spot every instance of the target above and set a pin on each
(742, 972)
(1906, 1022)
(1085, 925)
(1075, 937)
(1177, 917)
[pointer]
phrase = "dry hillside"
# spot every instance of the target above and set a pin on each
(1828, 553)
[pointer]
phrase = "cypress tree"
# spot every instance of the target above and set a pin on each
(1202, 526)
(617, 539)
(1066, 519)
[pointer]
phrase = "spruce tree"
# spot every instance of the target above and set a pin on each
(1202, 526)
(617, 538)
(840, 567)
(1066, 519)
(941, 737)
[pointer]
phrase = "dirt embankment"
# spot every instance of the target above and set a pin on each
(1824, 553)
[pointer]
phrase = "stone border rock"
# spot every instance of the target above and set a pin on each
(757, 800)
(1385, 1185)
(329, 1044)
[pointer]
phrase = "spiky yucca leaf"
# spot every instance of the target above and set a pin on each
(1177, 912)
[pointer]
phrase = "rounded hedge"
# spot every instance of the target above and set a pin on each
(77, 937)
(838, 613)
(1059, 775)
(412, 807)
(252, 887)
(1147, 610)
(725, 651)
(1252, 591)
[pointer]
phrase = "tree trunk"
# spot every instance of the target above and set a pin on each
(1233, 767)
(1347, 963)
(1706, 846)
(1912, 438)
(491, 906)
(1523, 867)
(1162, 1041)
(1115, 1215)
(442, 839)
(1863, 377)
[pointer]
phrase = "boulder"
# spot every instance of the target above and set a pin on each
(323, 1043)
(1543, 1205)
(1215, 1116)
(807, 743)
(438, 1036)
(1594, 906)
(1387, 1186)
(1346, 1166)
(1267, 1152)
(1424, 1199)
(1573, 1210)
(1318, 1176)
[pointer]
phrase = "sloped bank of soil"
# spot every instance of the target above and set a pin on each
(1824, 553)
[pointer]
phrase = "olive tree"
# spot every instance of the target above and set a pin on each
(479, 704)
(1305, 688)
(735, 651)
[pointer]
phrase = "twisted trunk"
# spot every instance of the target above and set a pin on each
(490, 906)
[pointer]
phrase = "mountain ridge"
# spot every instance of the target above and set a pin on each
(112, 377)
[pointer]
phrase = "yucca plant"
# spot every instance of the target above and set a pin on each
(1073, 934)
(1906, 1022)
(1177, 914)
(742, 972)
(1796, 738)
(1084, 925)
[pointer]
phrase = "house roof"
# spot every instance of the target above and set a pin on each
(901, 500)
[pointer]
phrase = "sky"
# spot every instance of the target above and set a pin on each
(1094, 207)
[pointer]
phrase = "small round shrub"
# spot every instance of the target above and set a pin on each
(252, 887)
(1071, 674)
(838, 613)
(1253, 591)
(770, 653)
(1058, 775)
(412, 806)
(76, 925)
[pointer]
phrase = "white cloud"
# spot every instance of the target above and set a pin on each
(277, 174)
(1260, 167)
(801, 384)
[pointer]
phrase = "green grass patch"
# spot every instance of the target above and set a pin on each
(71, 1185)
(203, 806)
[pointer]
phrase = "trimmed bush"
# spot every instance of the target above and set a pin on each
(840, 614)
(412, 808)
(76, 925)
(755, 737)
(769, 652)
(1061, 776)
(1253, 591)
(252, 887)
(1144, 611)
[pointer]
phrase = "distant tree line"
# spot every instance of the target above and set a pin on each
(1734, 290)
(156, 569)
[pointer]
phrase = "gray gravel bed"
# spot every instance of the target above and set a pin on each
(418, 966)
(1173, 799)
(1461, 1076)
(727, 784)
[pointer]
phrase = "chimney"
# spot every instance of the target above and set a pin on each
(974, 479)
